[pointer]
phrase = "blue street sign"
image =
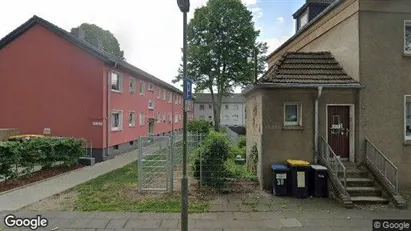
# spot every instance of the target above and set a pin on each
(189, 92)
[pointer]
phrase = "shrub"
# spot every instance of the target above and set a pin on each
(235, 151)
(242, 142)
(40, 151)
(239, 171)
(200, 126)
(213, 152)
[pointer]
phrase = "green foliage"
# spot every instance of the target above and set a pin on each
(220, 56)
(252, 159)
(94, 32)
(239, 171)
(242, 142)
(235, 151)
(213, 152)
(200, 126)
(44, 152)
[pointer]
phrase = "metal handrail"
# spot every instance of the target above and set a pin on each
(385, 160)
(336, 158)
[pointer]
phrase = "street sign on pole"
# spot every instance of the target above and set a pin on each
(188, 91)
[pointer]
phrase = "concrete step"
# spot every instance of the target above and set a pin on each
(369, 200)
(364, 191)
(354, 173)
(359, 182)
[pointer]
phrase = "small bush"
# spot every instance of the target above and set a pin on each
(242, 142)
(234, 151)
(39, 151)
(214, 151)
(239, 171)
(200, 126)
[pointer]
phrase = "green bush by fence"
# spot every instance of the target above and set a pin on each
(198, 126)
(42, 152)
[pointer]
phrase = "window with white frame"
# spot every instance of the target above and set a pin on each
(116, 120)
(132, 85)
(235, 117)
(116, 82)
(164, 117)
(226, 117)
(176, 99)
(202, 107)
(150, 86)
(158, 93)
(170, 117)
(407, 117)
(164, 94)
(304, 18)
(407, 37)
(176, 118)
(150, 104)
(202, 117)
(292, 114)
(132, 119)
(170, 97)
(141, 118)
(158, 117)
(235, 106)
(142, 88)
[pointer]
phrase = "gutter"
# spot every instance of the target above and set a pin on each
(316, 124)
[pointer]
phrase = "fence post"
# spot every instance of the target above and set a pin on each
(139, 164)
(171, 165)
(201, 169)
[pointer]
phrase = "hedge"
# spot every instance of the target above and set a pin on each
(42, 152)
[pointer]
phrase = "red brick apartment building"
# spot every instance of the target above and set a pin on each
(53, 80)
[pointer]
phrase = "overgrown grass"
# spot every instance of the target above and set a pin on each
(117, 191)
(239, 171)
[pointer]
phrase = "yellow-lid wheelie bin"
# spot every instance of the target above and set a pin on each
(298, 182)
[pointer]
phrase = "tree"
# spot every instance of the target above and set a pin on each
(220, 51)
(93, 32)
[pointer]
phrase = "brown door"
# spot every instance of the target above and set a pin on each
(338, 130)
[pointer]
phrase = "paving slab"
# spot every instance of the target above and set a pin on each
(116, 223)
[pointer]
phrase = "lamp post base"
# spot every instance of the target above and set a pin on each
(184, 203)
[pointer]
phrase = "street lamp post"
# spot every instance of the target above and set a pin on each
(184, 6)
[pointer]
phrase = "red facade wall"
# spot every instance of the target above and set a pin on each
(47, 82)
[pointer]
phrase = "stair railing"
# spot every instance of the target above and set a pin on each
(333, 161)
(383, 165)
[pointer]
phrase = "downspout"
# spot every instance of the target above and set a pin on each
(108, 110)
(316, 125)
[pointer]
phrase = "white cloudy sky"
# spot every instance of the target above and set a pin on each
(149, 31)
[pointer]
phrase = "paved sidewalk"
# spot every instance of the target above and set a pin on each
(353, 220)
(22, 197)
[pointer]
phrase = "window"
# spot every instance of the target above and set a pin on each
(407, 114)
(132, 85)
(164, 94)
(226, 117)
(407, 37)
(141, 118)
(292, 114)
(150, 86)
(158, 117)
(142, 88)
(158, 93)
(176, 118)
(170, 117)
(150, 104)
(226, 106)
(235, 107)
(235, 117)
(210, 106)
(164, 117)
(116, 120)
(132, 119)
(116, 81)
(176, 99)
(202, 117)
(170, 97)
(304, 19)
(202, 107)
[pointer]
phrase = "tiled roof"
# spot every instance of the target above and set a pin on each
(84, 45)
(307, 68)
(206, 98)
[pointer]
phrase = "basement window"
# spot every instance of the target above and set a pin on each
(292, 114)
(407, 37)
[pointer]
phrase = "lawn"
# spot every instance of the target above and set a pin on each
(117, 191)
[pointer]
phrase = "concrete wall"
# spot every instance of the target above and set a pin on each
(385, 72)
(281, 143)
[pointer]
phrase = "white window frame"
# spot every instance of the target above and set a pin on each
(151, 104)
(164, 95)
(176, 100)
(119, 79)
(158, 117)
(407, 23)
(159, 93)
(120, 125)
(132, 115)
(150, 86)
(164, 117)
(141, 119)
(142, 87)
(299, 114)
(170, 97)
(305, 14)
(133, 84)
(170, 117)
(176, 118)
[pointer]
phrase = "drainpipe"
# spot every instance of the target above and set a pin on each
(316, 125)
(108, 111)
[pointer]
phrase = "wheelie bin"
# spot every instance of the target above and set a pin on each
(298, 183)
